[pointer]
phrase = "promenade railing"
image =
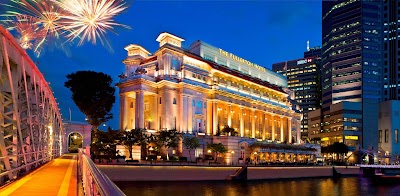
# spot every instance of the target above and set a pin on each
(94, 181)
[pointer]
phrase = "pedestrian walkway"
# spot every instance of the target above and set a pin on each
(58, 177)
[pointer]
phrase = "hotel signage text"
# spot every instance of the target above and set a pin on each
(241, 60)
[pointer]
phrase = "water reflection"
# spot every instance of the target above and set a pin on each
(321, 186)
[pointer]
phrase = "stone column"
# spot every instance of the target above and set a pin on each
(184, 113)
(155, 112)
(241, 121)
(215, 117)
(282, 138)
(123, 109)
(139, 109)
(298, 131)
(229, 115)
(253, 124)
(209, 117)
(264, 120)
(290, 130)
(189, 114)
(273, 127)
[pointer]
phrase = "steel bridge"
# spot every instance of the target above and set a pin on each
(32, 135)
(31, 127)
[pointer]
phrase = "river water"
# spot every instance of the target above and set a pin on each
(351, 186)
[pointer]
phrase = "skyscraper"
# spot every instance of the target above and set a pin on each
(302, 76)
(391, 50)
(351, 72)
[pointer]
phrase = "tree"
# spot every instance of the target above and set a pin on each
(93, 93)
(168, 138)
(191, 143)
(217, 148)
(229, 130)
(133, 137)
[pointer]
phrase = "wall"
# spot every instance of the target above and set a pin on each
(199, 173)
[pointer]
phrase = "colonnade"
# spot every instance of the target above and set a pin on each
(249, 122)
(246, 121)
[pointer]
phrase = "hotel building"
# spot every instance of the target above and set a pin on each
(200, 90)
(302, 75)
(351, 72)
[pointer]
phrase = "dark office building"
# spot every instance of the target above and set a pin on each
(351, 72)
(302, 79)
(391, 55)
(313, 52)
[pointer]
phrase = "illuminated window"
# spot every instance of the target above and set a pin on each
(396, 135)
(386, 136)
(380, 136)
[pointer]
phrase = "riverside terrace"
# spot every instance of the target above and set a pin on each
(261, 154)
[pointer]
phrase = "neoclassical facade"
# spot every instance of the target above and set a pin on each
(201, 89)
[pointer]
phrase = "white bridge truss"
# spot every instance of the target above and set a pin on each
(30, 121)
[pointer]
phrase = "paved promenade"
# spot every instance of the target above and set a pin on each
(58, 177)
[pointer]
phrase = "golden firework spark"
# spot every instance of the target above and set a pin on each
(90, 19)
(87, 20)
(47, 14)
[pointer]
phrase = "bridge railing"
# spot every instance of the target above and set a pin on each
(94, 181)
(378, 166)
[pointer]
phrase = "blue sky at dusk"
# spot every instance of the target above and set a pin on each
(263, 32)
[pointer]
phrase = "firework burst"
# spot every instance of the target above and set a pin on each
(90, 19)
(47, 15)
(29, 32)
(83, 20)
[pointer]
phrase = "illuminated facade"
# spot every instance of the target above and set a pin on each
(388, 133)
(351, 65)
(200, 90)
(303, 78)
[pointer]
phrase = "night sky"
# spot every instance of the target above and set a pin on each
(263, 32)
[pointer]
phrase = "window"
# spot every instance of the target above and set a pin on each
(199, 104)
(146, 107)
(174, 101)
(380, 136)
(396, 136)
(160, 100)
(131, 105)
(194, 75)
(386, 136)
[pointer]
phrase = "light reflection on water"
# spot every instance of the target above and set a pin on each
(317, 186)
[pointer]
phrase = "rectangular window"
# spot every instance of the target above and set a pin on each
(146, 107)
(160, 100)
(396, 135)
(174, 101)
(380, 136)
(386, 136)
(131, 105)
